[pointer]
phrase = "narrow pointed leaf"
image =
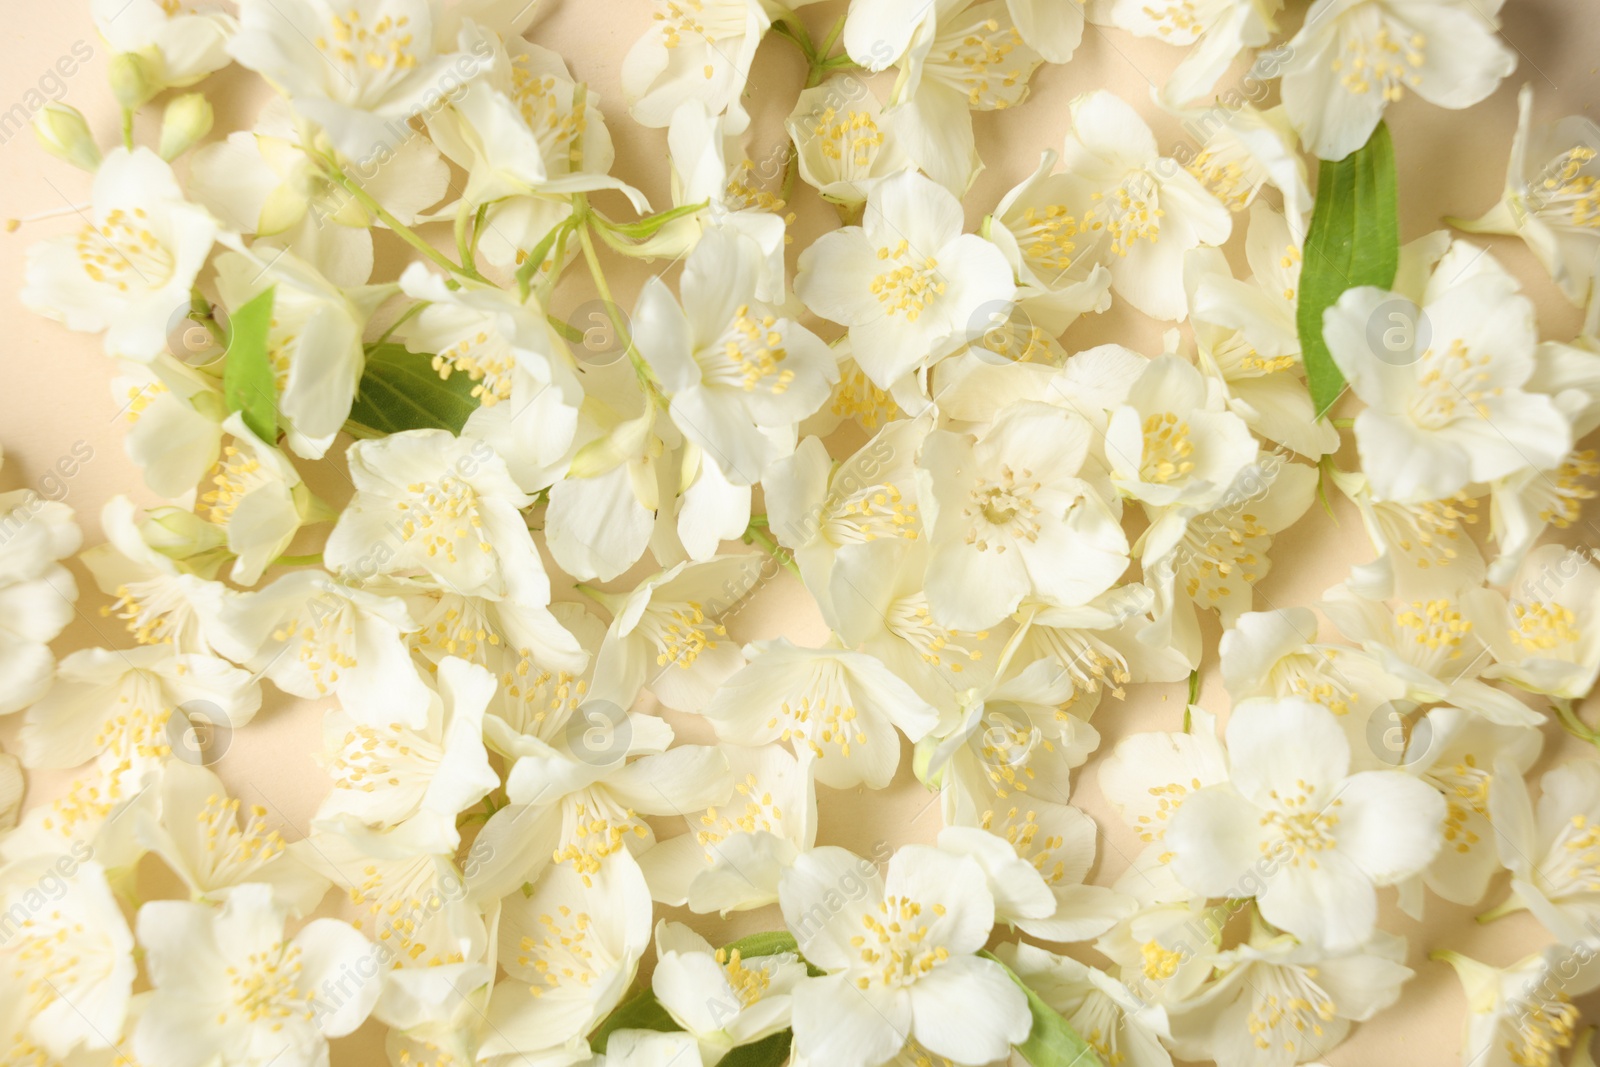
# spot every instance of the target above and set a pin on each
(248, 384)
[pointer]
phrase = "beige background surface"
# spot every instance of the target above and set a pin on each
(56, 392)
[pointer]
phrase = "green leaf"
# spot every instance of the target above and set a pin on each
(1052, 1042)
(248, 384)
(769, 943)
(400, 390)
(768, 1052)
(643, 1012)
(1354, 240)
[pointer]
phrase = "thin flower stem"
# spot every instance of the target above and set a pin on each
(127, 128)
(405, 317)
(640, 368)
(297, 561)
(1511, 906)
(771, 547)
(463, 243)
(833, 36)
(404, 232)
(1573, 724)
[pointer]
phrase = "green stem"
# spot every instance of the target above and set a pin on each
(641, 369)
(127, 128)
(771, 547)
(478, 227)
(297, 561)
(405, 316)
(404, 232)
(1573, 724)
(1511, 906)
(832, 38)
(463, 245)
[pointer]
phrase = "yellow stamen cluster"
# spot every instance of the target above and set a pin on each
(443, 515)
(1380, 63)
(485, 360)
(1003, 505)
(1167, 449)
(893, 945)
(267, 988)
(561, 953)
(749, 355)
(123, 252)
(909, 285)
(1543, 626)
(682, 632)
(1300, 825)
(383, 47)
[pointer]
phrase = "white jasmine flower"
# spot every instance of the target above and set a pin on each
(409, 784)
(413, 906)
(70, 957)
(699, 51)
(1468, 758)
(229, 985)
(1552, 851)
(1246, 335)
(1016, 516)
(1147, 212)
(174, 418)
(820, 512)
(734, 853)
(1278, 1002)
(198, 835)
(314, 635)
(968, 57)
(1148, 778)
(177, 43)
(1448, 408)
(570, 947)
(843, 709)
(259, 500)
(667, 635)
(899, 957)
(1318, 838)
(1352, 58)
(1165, 954)
(359, 69)
(507, 349)
(314, 341)
(907, 282)
(720, 997)
(1424, 548)
(1549, 199)
(1524, 1013)
(1214, 34)
(522, 128)
(1043, 226)
(1243, 148)
(262, 182)
(1432, 647)
(740, 376)
(1173, 442)
(428, 501)
(844, 141)
(1214, 558)
(1545, 636)
(603, 510)
(1099, 647)
(131, 265)
(11, 787)
(1116, 1023)
(121, 702)
(37, 593)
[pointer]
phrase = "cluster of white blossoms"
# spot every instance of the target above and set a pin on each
(515, 606)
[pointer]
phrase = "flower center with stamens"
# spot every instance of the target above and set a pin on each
(1572, 865)
(748, 355)
(893, 946)
(556, 110)
(406, 905)
(268, 987)
(1379, 62)
(1465, 786)
(1287, 1007)
(1426, 532)
(442, 515)
(594, 836)
(1300, 825)
(1021, 828)
(760, 813)
(1005, 742)
(681, 632)
(1046, 238)
(856, 397)
(1542, 1027)
(365, 53)
(850, 139)
(1167, 449)
(237, 473)
(369, 758)
(1086, 658)
(908, 618)
(1228, 172)
(484, 358)
(560, 951)
(1564, 196)
(870, 513)
(824, 713)
(981, 59)
(232, 852)
(1435, 625)
(1451, 384)
(155, 610)
(1220, 553)
(1541, 626)
(1003, 504)
(909, 285)
(122, 252)
(749, 984)
(1128, 213)
(1313, 675)
(1168, 797)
